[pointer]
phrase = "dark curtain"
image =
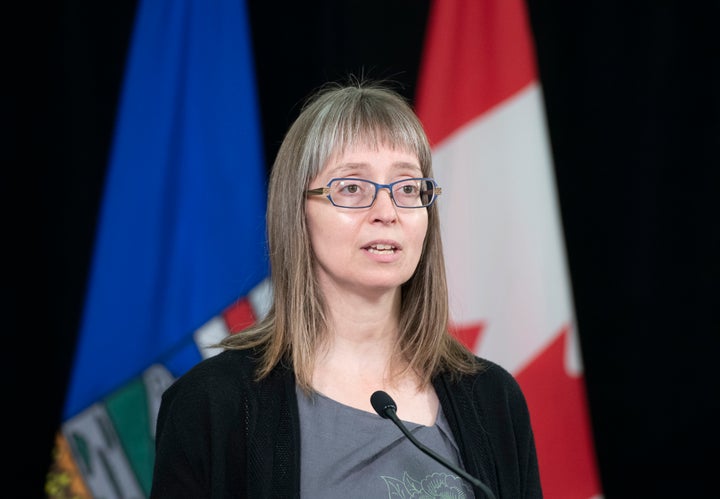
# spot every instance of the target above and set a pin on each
(631, 90)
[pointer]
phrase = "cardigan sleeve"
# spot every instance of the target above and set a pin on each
(181, 450)
(528, 470)
(201, 436)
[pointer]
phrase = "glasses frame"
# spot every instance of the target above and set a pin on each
(325, 191)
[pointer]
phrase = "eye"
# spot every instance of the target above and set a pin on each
(408, 188)
(350, 187)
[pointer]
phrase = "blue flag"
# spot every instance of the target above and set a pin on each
(181, 232)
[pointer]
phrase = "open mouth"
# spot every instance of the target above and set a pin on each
(382, 249)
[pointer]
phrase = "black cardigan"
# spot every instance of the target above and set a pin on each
(220, 434)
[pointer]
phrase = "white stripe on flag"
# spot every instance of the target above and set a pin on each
(501, 231)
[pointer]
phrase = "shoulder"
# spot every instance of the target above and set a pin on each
(217, 376)
(494, 376)
(226, 364)
(221, 389)
(491, 386)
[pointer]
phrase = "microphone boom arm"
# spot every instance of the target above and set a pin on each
(386, 408)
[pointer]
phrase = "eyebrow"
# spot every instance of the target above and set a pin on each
(344, 168)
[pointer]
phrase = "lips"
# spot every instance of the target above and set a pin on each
(382, 248)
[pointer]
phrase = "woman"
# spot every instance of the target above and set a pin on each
(360, 305)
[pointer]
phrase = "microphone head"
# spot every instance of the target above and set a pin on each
(383, 403)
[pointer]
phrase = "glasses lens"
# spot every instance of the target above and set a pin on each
(414, 193)
(352, 193)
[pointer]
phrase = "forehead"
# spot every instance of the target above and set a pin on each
(361, 158)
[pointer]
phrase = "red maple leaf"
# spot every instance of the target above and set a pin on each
(468, 334)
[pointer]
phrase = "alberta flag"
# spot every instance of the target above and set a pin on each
(481, 103)
(180, 257)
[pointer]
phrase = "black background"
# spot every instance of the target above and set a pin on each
(632, 91)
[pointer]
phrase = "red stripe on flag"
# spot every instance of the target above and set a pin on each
(560, 421)
(496, 60)
(239, 316)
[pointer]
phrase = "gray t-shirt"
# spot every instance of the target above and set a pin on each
(347, 453)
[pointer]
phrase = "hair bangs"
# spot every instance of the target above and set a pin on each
(364, 120)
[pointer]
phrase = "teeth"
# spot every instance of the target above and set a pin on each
(382, 249)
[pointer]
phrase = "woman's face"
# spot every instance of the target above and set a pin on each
(366, 250)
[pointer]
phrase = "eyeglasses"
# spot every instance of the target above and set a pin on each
(361, 193)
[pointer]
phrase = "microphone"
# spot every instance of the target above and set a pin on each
(385, 406)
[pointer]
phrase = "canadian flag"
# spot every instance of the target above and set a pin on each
(510, 294)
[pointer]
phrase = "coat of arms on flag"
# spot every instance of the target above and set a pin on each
(179, 256)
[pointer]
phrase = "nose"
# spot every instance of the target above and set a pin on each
(384, 208)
